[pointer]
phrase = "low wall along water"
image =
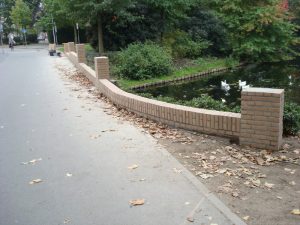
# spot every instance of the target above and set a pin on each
(259, 124)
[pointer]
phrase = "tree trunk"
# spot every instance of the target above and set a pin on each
(75, 34)
(100, 35)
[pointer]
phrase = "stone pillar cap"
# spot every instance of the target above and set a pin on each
(101, 57)
(264, 90)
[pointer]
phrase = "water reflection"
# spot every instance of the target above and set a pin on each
(285, 75)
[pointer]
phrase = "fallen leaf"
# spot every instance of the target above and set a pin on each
(36, 181)
(66, 221)
(222, 171)
(133, 167)
(32, 162)
(268, 185)
(206, 176)
(177, 171)
(286, 147)
(295, 212)
(190, 219)
(235, 194)
(260, 161)
(256, 182)
(137, 202)
(293, 183)
(246, 218)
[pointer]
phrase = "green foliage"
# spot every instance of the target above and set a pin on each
(207, 102)
(258, 30)
(143, 61)
(183, 46)
(202, 23)
(291, 119)
(20, 14)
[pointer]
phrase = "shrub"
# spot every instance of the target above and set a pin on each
(143, 61)
(291, 119)
(207, 102)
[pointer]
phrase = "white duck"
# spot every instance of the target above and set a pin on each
(225, 86)
(290, 78)
(242, 84)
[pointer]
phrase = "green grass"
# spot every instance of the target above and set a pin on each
(61, 49)
(201, 65)
(88, 48)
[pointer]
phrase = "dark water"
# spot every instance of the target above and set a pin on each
(284, 75)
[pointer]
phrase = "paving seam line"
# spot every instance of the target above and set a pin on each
(208, 194)
(192, 213)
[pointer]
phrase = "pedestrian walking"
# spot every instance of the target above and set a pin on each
(11, 41)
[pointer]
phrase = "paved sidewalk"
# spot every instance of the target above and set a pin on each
(85, 158)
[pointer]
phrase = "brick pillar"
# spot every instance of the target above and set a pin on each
(66, 47)
(102, 67)
(80, 49)
(262, 118)
(71, 46)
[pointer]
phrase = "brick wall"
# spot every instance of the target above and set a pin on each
(262, 118)
(259, 125)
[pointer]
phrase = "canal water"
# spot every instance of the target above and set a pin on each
(284, 75)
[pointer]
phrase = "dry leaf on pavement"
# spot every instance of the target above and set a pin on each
(137, 202)
(32, 162)
(268, 185)
(206, 176)
(66, 221)
(133, 167)
(190, 219)
(177, 170)
(36, 181)
(295, 212)
(246, 217)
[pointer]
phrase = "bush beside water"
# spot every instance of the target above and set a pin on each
(143, 61)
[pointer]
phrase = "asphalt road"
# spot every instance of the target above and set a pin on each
(84, 171)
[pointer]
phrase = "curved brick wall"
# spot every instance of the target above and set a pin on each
(202, 120)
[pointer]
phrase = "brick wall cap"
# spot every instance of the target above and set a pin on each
(263, 90)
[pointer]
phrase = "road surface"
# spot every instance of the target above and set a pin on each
(83, 156)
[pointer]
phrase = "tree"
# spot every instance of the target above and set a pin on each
(259, 30)
(95, 10)
(5, 8)
(294, 7)
(20, 14)
(169, 12)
